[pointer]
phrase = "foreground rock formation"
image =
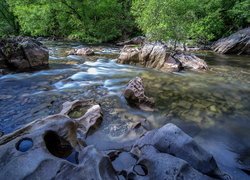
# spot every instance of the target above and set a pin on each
(23, 54)
(237, 43)
(135, 95)
(172, 141)
(55, 148)
(158, 56)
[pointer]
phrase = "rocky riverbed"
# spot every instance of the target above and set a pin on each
(212, 107)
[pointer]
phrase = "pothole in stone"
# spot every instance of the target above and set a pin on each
(73, 157)
(78, 111)
(24, 144)
(59, 147)
(140, 170)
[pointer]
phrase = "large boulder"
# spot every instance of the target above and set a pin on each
(237, 43)
(158, 56)
(23, 54)
(169, 139)
(135, 95)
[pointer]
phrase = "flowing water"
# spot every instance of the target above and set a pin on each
(213, 107)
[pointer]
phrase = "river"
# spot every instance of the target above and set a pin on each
(213, 107)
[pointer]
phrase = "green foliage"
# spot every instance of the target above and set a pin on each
(164, 19)
(88, 20)
(8, 22)
(240, 13)
(181, 20)
(106, 20)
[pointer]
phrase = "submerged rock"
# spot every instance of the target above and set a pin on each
(81, 52)
(158, 56)
(237, 43)
(23, 54)
(135, 95)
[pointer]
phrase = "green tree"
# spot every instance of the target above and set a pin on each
(180, 20)
(8, 22)
(164, 19)
(88, 20)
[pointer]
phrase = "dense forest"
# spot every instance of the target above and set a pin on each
(110, 20)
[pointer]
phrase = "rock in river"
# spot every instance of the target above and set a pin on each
(158, 56)
(81, 52)
(23, 54)
(237, 43)
(135, 95)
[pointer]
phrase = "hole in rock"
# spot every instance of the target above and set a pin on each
(58, 146)
(73, 157)
(140, 170)
(78, 111)
(24, 144)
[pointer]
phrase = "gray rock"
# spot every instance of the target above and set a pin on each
(54, 148)
(81, 52)
(135, 95)
(190, 61)
(129, 55)
(237, 43)
(172, 140)
(158, 56)
(23, 54)
(157, 165)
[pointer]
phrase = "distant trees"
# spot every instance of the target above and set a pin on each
(190, 19)
(88, 20)
(106, 20)
(8, 22)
